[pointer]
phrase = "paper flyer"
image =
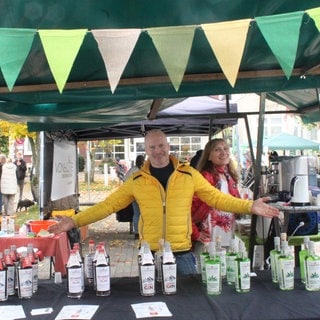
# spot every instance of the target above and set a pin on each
(151, 309)
(83, 312)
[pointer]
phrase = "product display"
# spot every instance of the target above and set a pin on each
(274, 255)
(213, 271)
(231, 256)
(286, 268)
(312, 269)
(242, 283)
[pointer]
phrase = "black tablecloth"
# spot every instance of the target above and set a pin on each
(264, 301)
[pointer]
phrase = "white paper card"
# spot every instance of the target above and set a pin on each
(151, 309)
(35, 312)
(12, 312)
(83, 312)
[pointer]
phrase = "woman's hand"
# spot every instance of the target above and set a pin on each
(64, 224)
(261, 208)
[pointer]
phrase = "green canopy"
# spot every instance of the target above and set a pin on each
(59, 69)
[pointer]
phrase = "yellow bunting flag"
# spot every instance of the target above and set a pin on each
(315, 15)
(227, 40)
(61, 48)
(116, 47)
(173, 45)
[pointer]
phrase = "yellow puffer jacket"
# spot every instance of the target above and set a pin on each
(164, 214)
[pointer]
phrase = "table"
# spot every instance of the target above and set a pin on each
(264, 301)
(56, 247)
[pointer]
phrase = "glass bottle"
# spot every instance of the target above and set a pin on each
(286, 268)
(221, 253)
(88, 263)
(312, 269)
(11, 272)
(24, 277)
(147, 272)
(274, 255)
(242, 283)
(74, 276)
(168, 270)
(213, 271)
(203, 257)
(94, 261)
(34, 262)
(302, 255)
(231, 256)
(157, 260)
(76, 247)
(3, 279)
(102, 274)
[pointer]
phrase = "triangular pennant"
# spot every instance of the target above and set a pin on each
(281, 32)
(227, 40)
(315, 15)
(174, 46)
(61, 48)
(15, 45)
(116, 47)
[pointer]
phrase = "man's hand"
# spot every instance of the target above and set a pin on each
(64, 224)
(261, 208)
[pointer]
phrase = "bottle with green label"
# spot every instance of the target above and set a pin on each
(274, 255)
(285, 268)
(221, 253)
(231, 256)
(203, 257)
(312, 269)
(213, 271)
(302, 256)
(242, 282)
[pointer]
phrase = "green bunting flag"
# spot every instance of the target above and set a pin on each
(315, 15)
(174, 46)
(281, 32)
(15, 45)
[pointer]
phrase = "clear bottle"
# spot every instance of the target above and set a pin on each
(213, 271)
(34, 261)
(24, 277)
(88, 263)
(221, 252)
(231, 256)
(3, 279)
(4, 224)
(274, 255)
(77, 248)
(242, 283)
(147, 272)
(203, 257)
(102, 274)
(168, 270)
(11, 272)
(94, 261)
(74, 276)
(312, 269)
(157, 260)
(302, 255)
(286, 268)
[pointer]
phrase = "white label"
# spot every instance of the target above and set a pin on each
(103, 278)
(25, 282)
(88, 268)
(11, 280)
(147, 279)
(274, 265)
(75, 280)
(286, 273)
(231, 268)
(213, 278)
(313, 274)
(35, 277)
(244, 274)
(222, 255)
(169, 278)
(3, 285)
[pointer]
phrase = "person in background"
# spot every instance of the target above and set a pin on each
(195, 159)
(136, 211)
(208, 222)
(20, 173)
(163, 189)
(3, 160)
(120, 170)
(8, 187)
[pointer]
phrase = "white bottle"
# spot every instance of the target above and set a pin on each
(312, 269)
(147, 272)
(74, 276)
(102, 274)
(213, 271)
(24, 277)
(168, 270)
(286, 268)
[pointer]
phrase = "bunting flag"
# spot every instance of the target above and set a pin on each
(227, 41)
(61, 48)
(315, 15)
(173, 45)
(15, 45)
(116, 47)
(282, 32)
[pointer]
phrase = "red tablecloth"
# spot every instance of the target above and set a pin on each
(57, 247)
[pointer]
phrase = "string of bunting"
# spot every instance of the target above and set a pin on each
(173, 44)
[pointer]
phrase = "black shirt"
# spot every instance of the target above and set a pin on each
(162, 174)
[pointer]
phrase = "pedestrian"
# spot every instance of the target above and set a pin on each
(120, 170)
(8, 187)
(195, 159)
(136, 211)
(3, 160)
(21, 172)
(163, 189)
(208, 223)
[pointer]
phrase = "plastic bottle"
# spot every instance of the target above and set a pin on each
(203, 257)
(303, 253)
(3, 279)
(102, 274)
(231, 256)
(147, 272)
(24, 277)
(286, 268)
(11, 272)
(221, 253)
(34, 261)
(213, 271)
(157, 260)
(88, 263)
(168, 270)
(242, 283)
(74, 276)
(312, 269)
(274, 255)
